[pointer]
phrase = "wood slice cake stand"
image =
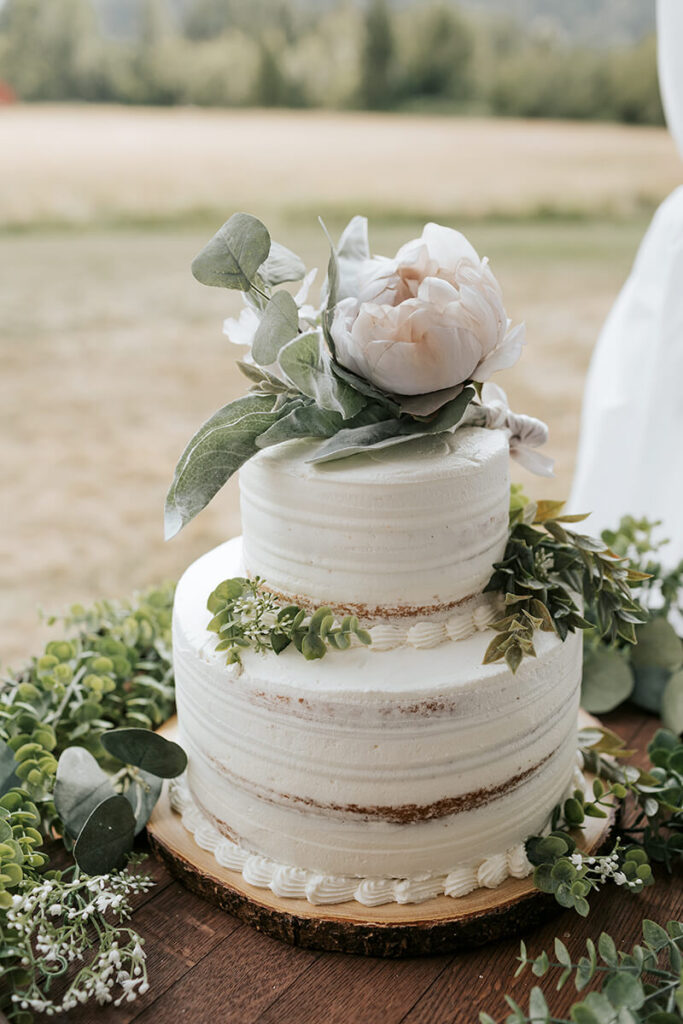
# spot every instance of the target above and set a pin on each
(440, 925)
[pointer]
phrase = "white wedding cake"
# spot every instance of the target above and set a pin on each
(378, 683)
(394, 771)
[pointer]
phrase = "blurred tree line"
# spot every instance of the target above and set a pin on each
(425, 55)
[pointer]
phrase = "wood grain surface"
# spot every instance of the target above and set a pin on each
(207, 967)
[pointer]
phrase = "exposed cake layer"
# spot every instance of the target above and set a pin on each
(406, 530)
(372, 764)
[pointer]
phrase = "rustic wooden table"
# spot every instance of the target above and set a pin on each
(206, 967)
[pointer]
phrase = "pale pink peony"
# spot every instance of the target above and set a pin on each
(426, 321)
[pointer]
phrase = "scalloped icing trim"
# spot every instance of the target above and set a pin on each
(298, 883)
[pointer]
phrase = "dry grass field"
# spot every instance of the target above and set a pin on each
(112, 354)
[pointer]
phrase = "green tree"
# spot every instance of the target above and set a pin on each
(441, 48)
(377, 90)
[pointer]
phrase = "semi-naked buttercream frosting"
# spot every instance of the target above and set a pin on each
(409, 529)
(397, 771)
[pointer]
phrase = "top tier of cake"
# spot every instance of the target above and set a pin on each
(409, 530)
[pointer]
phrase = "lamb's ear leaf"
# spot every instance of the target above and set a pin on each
(304, 421)
(353, 247)
(281, 266)
(279, 324)
(306, 367)
(233, 256)
(392, 431)
(106, 837)
(218, 449)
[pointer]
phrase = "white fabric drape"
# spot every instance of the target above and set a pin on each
(630, 457)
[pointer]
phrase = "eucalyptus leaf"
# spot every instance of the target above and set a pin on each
(8, 776)
(282, 265)
(79, 787)
(234, 254)
(224, 443)
(142, 795)
(672, 703)
(607, 680)
(279, 324)
(146, 750)
(106, 837)
(650, 682)
(625, 990)
(657, 645)
(303, 363)
(391, 431)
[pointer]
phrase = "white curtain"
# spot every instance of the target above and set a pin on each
(630, 457)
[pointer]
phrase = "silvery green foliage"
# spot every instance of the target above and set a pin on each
(102, 812)
(298, 389)
(643, 985)
(650, 673)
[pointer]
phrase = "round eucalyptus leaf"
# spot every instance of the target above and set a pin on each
(649, 684)
(607, 680)
(658, 644)
(106, 837)
(142, 796)
(672, 703)
(146, 750)
(80, 786)
(8, 778)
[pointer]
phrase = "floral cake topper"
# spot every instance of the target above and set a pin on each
(397, 348)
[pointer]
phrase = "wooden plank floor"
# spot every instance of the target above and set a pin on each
(205, 967)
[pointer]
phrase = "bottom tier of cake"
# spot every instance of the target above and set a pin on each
(374, 775)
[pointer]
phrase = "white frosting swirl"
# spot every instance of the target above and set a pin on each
(424, 635)
(373, 892)
(518, 862)
(258, 871)
(461, 882)
(493, 871)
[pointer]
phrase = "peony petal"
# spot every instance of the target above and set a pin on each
(436, 291)
(302, 294)
(502, 357)
(448, 247)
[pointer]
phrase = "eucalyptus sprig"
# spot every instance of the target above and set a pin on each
(246, 615)
(78, 758)
(642, 985)
(546, 566)
(655, 796)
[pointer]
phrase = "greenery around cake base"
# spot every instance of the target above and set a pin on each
(76, 744)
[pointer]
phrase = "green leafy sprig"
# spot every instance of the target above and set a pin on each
(643, 985)
(545, 567)
(653, 801)
(655, 796)
(246, 615)
(77, 758)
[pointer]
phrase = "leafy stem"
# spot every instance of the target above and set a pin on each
(546, 569)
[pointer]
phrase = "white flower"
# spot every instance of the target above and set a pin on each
(426, 321)
(620, 877)
(576, 859)
(241, 331)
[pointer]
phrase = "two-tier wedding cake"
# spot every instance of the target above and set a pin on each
(358, 740)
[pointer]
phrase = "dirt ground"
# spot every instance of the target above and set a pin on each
(112, 354)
